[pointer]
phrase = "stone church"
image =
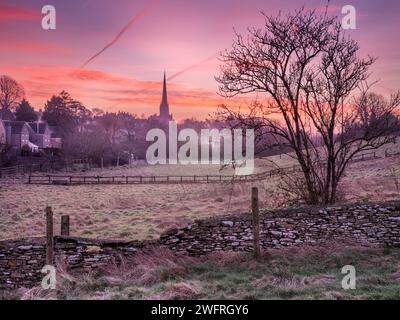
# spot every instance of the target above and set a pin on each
(164, 116)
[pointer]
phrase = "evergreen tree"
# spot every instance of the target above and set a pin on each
(25, 112)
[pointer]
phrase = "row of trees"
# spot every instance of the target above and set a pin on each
(98, 136)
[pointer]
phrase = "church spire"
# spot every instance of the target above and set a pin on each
(164, 107)
(164, 96)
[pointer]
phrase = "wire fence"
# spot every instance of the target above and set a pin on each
(18, 170)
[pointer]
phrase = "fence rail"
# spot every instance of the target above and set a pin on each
(188, 179)
(87, 180)
(18, 170)
(9, 171)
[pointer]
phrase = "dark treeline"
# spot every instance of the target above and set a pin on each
(108, 138)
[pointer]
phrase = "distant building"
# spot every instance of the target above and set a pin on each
(17, 134)
(40, 134)
(164, 116)
(55, 137)
(36, 135)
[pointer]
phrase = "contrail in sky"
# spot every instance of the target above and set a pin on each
(191, 67)
(136, 18)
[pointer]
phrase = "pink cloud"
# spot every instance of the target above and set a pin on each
(112, 92)
(27, 47)
(14, 13)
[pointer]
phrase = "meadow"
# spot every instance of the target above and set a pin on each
(144, 211)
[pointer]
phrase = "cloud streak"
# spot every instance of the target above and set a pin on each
(193, 66)
(134, 20)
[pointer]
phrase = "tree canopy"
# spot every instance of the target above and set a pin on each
(25, 112)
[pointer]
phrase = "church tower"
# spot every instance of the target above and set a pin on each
(165, 116)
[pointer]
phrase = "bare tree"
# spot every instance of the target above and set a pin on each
(11, 93)
(310, 72)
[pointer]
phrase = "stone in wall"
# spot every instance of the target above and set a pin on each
(21, 261)
(363, 223)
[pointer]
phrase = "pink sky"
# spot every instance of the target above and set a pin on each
(171, 35)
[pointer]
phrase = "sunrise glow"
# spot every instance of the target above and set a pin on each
(182, 37)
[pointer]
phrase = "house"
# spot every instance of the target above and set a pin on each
(40, 134)
(55, 137)
(17, 134)
(2, 133)
(36, 135)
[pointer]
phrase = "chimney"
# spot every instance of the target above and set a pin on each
(38, 121)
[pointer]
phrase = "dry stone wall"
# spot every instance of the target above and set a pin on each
(363, 223)
(21, 261)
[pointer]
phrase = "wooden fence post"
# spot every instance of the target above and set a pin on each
(256, 222)
(65, 226)
(49, 237)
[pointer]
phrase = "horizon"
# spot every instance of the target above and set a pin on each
(182, 38)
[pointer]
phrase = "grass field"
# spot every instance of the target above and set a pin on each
(144, 211)
(306, 273)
